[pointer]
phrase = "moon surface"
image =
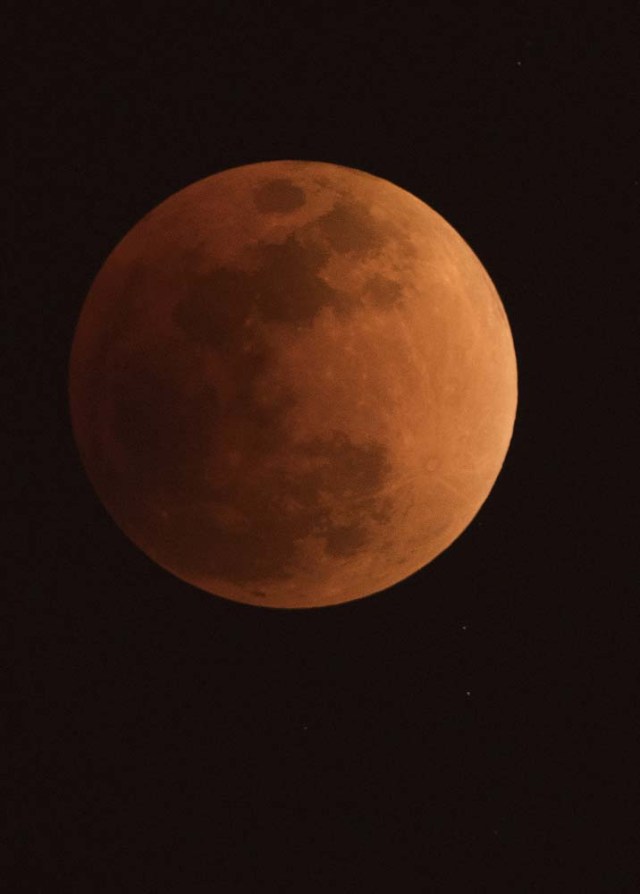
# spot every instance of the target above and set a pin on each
(292, 384)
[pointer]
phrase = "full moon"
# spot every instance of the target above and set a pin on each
(292, 384)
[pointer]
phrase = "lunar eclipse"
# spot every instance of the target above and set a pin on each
(292, 384)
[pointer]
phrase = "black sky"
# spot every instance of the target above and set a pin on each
(468, 720)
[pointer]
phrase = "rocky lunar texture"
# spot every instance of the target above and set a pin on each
(292, 384)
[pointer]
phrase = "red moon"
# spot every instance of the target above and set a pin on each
(292, 384)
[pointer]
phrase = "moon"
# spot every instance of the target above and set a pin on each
(292, 384)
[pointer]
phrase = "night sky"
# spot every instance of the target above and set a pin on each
(466, 722)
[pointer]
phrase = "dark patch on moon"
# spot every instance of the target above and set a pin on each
(165, 420)
(287, 288)
(196, 465)
(343, 474)
(215, 308)
(287, 285)
(383, 292)
(283, 507)
(343, 541)
(350, 227)
(279, 196)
